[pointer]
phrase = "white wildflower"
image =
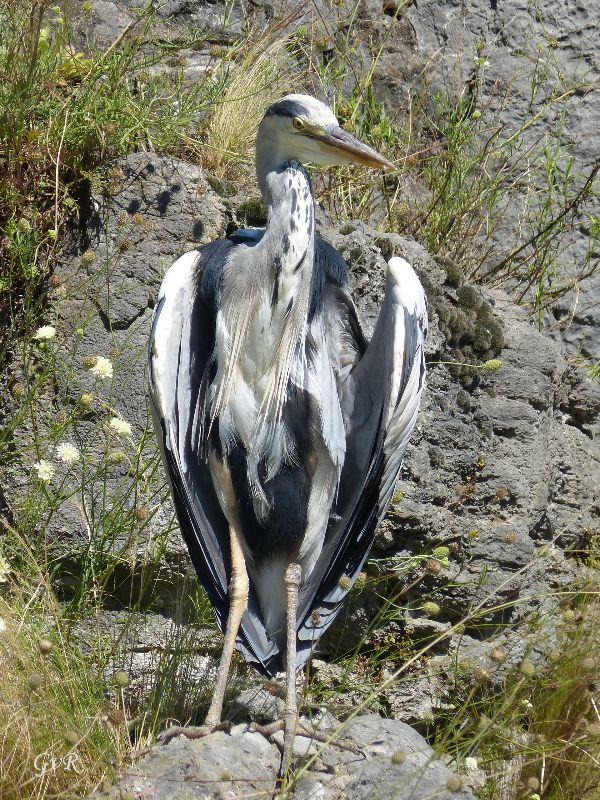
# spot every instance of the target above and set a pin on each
(526, 704)
(44, 333)
(2, 625)
(471, 764)
(68, 453)
(119, 426)
(44, 469)
(102, 368)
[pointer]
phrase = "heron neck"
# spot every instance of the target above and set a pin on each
(290, 216)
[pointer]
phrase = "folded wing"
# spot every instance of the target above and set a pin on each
(380, 398)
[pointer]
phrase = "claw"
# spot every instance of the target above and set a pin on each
(303, 730)
(191, 731)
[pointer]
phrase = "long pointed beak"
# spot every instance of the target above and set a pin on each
(355, 151)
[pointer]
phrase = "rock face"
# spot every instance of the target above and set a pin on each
(396, 764)
(502, 473)
(525, 50)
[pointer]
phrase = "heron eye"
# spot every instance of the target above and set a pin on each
(298, 123)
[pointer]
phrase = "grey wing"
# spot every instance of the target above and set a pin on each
(180, 350)
(380, 399)
(179, 370)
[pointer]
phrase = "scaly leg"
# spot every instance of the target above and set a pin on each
(293, 578)
(238, 602)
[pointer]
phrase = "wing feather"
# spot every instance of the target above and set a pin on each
(179, 364)
(380, 400)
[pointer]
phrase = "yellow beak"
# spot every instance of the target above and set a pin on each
(341, 142)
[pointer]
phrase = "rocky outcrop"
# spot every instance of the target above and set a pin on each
(530, 54)
(394, 763)
(498, 496)
(524, 55)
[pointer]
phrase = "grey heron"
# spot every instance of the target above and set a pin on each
(282, 428)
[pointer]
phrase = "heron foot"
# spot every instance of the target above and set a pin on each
(307, 733)
(191, 731)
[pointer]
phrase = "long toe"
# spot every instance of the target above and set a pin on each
(329, 738)
(190, 732)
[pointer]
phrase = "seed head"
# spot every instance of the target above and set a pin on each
(34, 681)
(361, 580)
(17, 390)
(121, 679)
(493, 365)
(554, 655)
(45, 646)
(117, 457)
(344, 582)
(71, 738)
(511, 537)
(315, 617)
(454, 783)
(88, 258)
(527, 668)
(433, 567)
(399, 757)
(115, 716)
(482, 675)
(430, 609)
(86, 400)
(141, 513)
(484, 722)
(497, 655)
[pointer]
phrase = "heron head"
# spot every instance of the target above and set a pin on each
(301, 128)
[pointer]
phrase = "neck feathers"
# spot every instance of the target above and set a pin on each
(266, 295)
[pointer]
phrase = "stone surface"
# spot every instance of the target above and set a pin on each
(502, 470)
(427, 44)
(528, 49)
(397, 765)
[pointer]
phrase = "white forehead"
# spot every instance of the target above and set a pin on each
(310, 108)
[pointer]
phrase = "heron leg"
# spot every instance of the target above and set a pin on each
(238, 603)
(293, 578)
